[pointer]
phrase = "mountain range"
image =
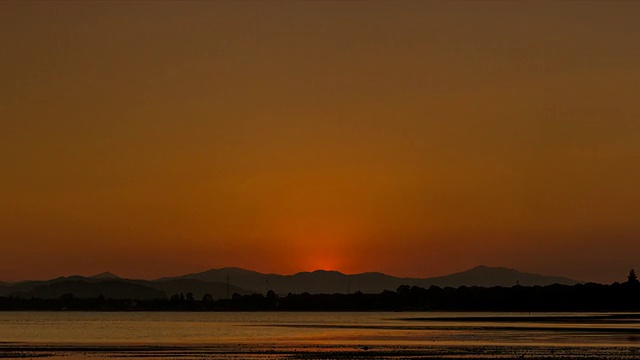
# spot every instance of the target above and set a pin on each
(220, 283)
(112, 286)
(322, 281)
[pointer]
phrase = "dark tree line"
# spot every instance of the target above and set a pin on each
(580, 297)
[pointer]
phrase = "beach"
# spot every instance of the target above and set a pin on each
(302, 351)
(272, 335)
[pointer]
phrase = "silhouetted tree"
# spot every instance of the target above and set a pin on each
(632, 278)
(207, 298)
(404, 290)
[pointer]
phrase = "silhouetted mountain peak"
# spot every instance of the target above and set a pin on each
(331, 281)
(372, 273)
(483, 267)
(223, 282)
(320, 272)
(225, 271)
(81, 288)
(105, 275)
(68, 278)
(488, 276)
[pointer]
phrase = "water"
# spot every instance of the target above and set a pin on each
(304, 328)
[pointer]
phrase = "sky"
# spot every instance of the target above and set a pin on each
(413, 138)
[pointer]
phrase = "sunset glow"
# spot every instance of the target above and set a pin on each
(412, 138)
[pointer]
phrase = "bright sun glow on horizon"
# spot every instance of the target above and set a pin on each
(413, 138)
(324, 261)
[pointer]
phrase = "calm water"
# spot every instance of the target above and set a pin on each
(321, 328)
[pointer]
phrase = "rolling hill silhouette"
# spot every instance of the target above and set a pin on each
(82, 289)
(26, 286)
(495, 276)
(221, 283)
(322, 281)
(117, 288)
(105, 275)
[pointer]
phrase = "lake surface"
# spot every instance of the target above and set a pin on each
(369, 330)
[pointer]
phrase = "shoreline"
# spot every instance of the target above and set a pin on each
(312, 351)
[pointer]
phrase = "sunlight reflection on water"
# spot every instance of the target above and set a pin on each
(315, 328)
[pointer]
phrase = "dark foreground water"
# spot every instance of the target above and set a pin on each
(272, 335)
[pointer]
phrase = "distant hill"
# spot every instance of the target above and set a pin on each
(111, 286)
(105, 275)
(335, 282)
(250, 280)
(222, 282)
(26, 286)
(112, 289)
(495, 276)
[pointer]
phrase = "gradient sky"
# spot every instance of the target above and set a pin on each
(412, 138)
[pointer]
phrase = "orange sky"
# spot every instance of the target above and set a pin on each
(412, 138)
